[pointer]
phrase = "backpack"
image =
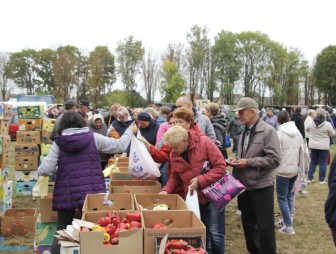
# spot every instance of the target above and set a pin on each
(220, 137)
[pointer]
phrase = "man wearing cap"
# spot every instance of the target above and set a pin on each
(83, 108)
(69, 105)
(258, 156)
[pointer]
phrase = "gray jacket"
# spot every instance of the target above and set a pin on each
(263, 156)
(205, 126)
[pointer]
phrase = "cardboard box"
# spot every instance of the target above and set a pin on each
(5, 204)
(47, 214)
(6, 190)
(30, 124)
(24, 188)
(26, 150)
(28, 137)
(1, 110)
(4, 127)
(30, 112)
(26, 176)
(48, 124)
(26, 163)
(7, 111)
(45, 232)
(120, 201)
(69, 250)
(18, 221)
(179, 224)
(45, 137)
(122, 175)
(4, 175)
(1, 139)
(45, 149)
(135, 186)
(130, 241)
(149, 201)
(4, 160)
(193, 241)
(6, 143)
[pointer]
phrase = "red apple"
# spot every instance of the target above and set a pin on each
(133, 216)
(135, 224)
(110, 229)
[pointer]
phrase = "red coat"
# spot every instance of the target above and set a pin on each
(201, 149)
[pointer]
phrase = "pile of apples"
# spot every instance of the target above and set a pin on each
(111, 225)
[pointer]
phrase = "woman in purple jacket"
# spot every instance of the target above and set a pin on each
(190, 150)
(74, 157)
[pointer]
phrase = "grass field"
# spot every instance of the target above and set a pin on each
(312, 233)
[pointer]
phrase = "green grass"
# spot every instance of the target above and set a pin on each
(312, 232)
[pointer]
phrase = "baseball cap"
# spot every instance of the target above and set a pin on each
(246, 102)
(84, 102)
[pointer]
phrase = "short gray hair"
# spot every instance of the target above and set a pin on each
(320, 112)
(175, 135)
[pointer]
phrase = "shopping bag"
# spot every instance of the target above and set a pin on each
(227, 141)
(141, 163)
(223, 190)
(192, 202)
(40, 189)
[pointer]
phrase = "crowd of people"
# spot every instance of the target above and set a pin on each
(271, 153)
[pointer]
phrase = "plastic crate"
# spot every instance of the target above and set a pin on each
(194, 241)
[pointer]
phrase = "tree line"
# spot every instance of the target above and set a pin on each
(246, 63)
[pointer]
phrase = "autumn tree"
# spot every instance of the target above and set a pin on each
(325, 73)
(66, 71)
(5, 84)
(199, 45)
(101, 74)
(21, 69)
(150, 75)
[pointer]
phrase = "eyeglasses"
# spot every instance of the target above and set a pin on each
(171, 123)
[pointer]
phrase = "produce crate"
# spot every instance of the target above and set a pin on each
(194, 241)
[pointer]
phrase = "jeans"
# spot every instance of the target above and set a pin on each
(235, 143)
(164, 173)
(333, 234)
(285, 196)
(214, 221)
(319, 157)
(257, 207)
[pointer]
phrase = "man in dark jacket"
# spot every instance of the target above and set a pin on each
(148, 127)
(330, 205)
(297, 118)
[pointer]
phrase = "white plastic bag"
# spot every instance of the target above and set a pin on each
(141, 164)
(192, 202)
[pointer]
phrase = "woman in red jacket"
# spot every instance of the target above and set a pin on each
(183, 117)
(190, 150)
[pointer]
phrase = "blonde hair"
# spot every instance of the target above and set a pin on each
(311, 112)
(175, 135)
(213, 108)
(122, 111)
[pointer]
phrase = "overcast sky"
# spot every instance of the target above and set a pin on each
(307, 25)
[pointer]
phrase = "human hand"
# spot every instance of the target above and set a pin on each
(134, 128)
(146, 143)
(231, 161)
(194, 184)
(163, 192)
(240, 164)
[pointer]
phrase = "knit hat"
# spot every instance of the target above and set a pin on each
(144, 116)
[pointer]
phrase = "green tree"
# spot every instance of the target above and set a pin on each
(129, 55)
(101, 74)
(118, 96)
(227, 64)
(44, 68)
(172, 83)
(325, 73)
(66, 70)
(21, 69)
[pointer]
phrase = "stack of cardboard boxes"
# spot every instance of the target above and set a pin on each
(6, 187)
(27, 148)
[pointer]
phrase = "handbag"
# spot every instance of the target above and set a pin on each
(223, 190)
(227, 141)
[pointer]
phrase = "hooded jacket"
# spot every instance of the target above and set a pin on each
(320, 133)
(330, 205)
(74, 157)
(290, 140)
(103, 128)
